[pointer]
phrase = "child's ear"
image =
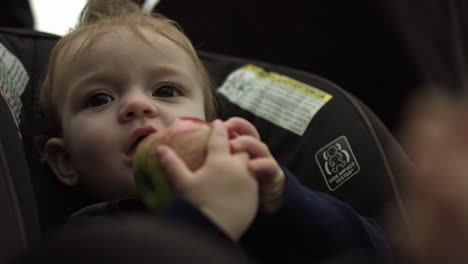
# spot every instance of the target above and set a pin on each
(59, 160)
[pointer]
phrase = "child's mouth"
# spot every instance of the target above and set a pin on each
(135, 139)
(134, 145)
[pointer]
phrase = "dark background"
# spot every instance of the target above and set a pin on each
(355, 44)
(16, 13)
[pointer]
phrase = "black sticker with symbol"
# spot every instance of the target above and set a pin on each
(337, 162)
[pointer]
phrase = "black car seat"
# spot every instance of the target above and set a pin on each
(323, 134)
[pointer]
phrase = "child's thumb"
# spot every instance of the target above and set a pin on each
(174, 167)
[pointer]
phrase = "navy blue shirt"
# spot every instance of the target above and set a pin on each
(309, 227)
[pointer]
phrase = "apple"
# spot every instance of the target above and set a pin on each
(188, 137)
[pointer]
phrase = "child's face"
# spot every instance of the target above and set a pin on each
(120, 87)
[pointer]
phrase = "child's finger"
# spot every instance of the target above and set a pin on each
(240, 126)
(266, 170)
(174, 167)
(233, 134)
(254, 147)
(218, 143)
(271, 181)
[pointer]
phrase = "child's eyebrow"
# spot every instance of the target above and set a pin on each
(169, 71)
(95, 78)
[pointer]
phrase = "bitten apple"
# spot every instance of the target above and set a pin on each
(188, 137)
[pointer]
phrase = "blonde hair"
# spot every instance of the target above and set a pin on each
(99, 15)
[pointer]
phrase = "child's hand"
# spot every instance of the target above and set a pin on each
(223, 188)
(270, 177)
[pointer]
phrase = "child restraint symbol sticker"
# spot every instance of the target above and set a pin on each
(337, 162)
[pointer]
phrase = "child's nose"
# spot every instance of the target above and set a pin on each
(137, 108)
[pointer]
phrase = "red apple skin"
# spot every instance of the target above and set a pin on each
(188, 137)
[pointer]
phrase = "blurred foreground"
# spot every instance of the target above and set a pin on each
(435, 135)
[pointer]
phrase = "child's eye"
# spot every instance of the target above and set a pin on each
(98, 99)
(167, 91)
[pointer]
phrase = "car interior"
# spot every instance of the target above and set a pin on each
(336, 126)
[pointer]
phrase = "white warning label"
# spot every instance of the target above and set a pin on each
(13, 81)
(277, 98)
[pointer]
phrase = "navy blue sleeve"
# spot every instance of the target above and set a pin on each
(179, 213)
(313, 227)
(186, 214)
